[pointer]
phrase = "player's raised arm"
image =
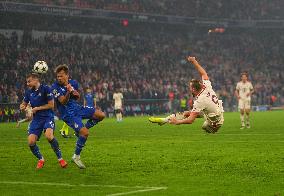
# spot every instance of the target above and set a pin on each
(199, 68)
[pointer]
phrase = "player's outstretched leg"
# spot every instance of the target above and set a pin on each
(97, 116)
(83, 135)
(162, 121)
(64, 131)
(35, 150)
(55, 146)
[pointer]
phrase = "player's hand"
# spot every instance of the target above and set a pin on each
(174, 121)
(22, 106)
(75, 93)
(69, 88)
(248, 94)
(35, 109)
(191, 59)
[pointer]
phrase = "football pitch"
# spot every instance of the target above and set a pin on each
(136, 157)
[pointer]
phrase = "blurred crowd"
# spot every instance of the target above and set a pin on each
(229, 9)
(10, 113)
(148, 66)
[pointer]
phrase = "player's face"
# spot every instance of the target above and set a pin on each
(191, 89)
(244, 78)
(62, 77)
(32, 82)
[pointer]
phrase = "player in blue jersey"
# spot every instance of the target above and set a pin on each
(41, 100)
(89, 101)
(66, 92)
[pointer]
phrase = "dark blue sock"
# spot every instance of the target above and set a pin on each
(35, 151)
(91, 122)
(55, 146)
(80, 144)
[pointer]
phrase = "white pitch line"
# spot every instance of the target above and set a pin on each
(237, 141)
(144, 189)
(250, 134)
(205, 141)
(138, 191)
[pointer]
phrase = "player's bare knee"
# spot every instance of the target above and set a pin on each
(49, 134)
(84, 132)
(100, 115)
(32, 140)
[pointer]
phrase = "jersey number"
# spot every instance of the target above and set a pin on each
(214, 98)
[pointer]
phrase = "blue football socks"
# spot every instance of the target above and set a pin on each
(91, 122)
(35, 150)
(55, 146)
(80, 144)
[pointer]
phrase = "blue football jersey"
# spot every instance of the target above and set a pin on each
(72, 106)
(39, 97)
(89, 98)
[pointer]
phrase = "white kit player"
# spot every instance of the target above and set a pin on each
(118, 97)
(206, 104)
(243, 92)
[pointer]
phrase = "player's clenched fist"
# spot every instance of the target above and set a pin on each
(69, 88)
(191, 59)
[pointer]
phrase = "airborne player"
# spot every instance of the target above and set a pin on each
(206, 103)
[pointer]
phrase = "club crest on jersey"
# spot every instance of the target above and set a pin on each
(76, 125)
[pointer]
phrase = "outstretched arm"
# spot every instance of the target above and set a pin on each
(199, 68)
(189, 120)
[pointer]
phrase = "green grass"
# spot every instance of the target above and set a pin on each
(137, 153)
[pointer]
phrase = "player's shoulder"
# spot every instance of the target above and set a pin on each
(45, 86)
(72, 81)
(55, 85)
(239, 83)
(28, 91)
(207, 83)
